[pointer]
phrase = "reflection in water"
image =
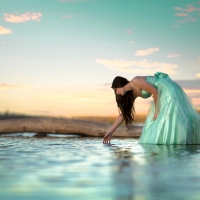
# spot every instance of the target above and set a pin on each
(155, 171)
(83, 168)
(122, 169)
(170, 172)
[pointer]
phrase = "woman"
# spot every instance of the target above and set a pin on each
(172, 118)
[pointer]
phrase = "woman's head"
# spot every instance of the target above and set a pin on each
(119, 82)
(125, 103)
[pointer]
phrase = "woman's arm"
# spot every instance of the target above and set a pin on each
(108, 135)
(144, 85)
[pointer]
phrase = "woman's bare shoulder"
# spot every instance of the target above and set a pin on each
(137, 79)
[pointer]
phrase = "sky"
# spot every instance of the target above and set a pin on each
(59, 57)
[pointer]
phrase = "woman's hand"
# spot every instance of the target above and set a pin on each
(155, 116)
(107, 138)
(110, 131)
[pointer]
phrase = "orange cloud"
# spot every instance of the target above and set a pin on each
(192, 93)
(185, 12)
(23, 17)
(10, 86)
(177, 8)
(196, 101)
(146, 51)
(188, 91)
(181, 14)
(4, 30)
(145, 67)
(190, 8)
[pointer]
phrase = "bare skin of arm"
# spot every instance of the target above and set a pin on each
(108, 135)
(144, 85)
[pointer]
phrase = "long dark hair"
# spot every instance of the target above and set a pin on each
(125, 103)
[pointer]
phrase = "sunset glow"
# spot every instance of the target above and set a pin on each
(59, 58)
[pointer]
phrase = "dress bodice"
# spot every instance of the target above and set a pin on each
(145, 94)
(151, 80)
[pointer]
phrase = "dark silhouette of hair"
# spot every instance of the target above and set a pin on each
(125, 103)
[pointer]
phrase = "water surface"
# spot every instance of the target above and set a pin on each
(63, 167)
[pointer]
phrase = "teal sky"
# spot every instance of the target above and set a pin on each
(59, 57)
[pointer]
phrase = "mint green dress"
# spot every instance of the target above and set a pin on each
(178, 121)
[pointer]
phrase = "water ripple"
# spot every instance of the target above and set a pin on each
(76, 167)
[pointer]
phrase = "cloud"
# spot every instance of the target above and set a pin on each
(131, 42)
(10, 86)
(181, 14)
(196, 101)
(199, 57)
(146, 51)
(177, 8)
(192, 93)
(189, 8)
(198, 75)
(22, 18)
(129, 32)
(42, 111)
(4, 30)
(189, 84)
(176, 55)
(187, 19)
(137, 66)
(186, 14)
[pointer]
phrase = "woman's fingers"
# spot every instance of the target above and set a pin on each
(106, 142)
(106, 139)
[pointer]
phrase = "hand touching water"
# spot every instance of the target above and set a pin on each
(107, 138)
(110, 131)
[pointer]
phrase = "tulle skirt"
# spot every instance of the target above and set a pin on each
(178, 121)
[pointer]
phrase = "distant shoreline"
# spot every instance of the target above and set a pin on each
(139, 118)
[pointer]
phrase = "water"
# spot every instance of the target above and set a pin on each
(63, 167)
